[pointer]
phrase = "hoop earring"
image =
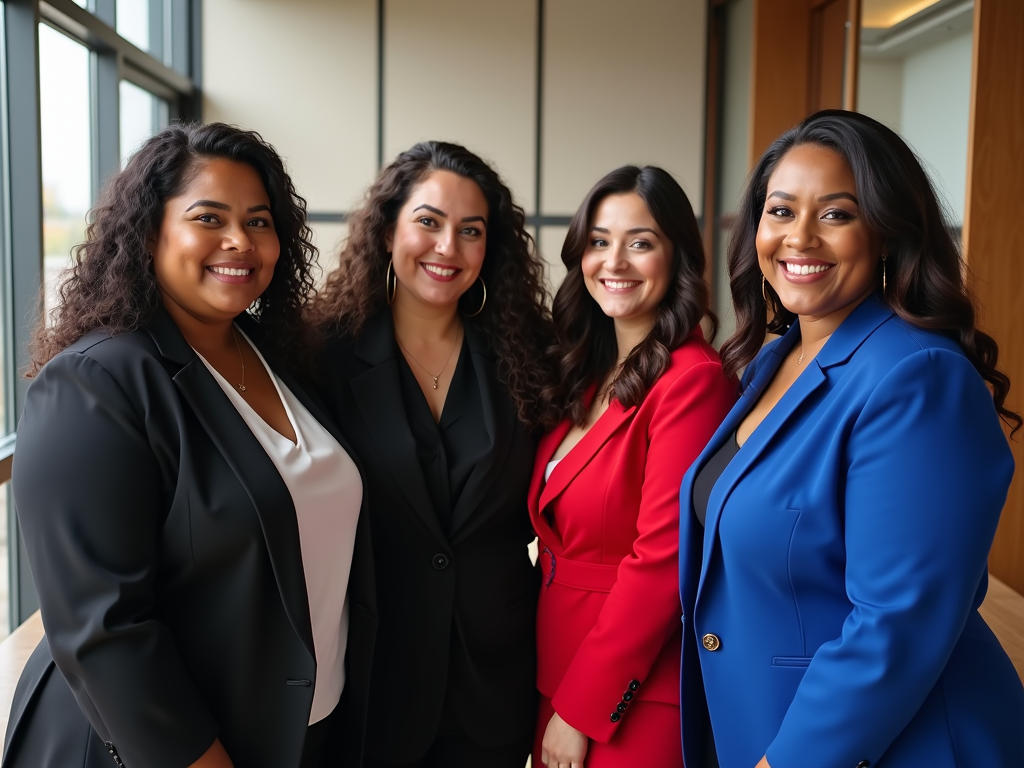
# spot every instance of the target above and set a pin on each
(884, 257)
(389, 291)
(764, 293)
(484, 302)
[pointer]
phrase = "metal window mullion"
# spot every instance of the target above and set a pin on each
(156, 30)
(106, 11)
(176, 33)
(105, 116)
(23, 219)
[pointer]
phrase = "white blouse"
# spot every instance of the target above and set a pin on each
(550, 468)
(327, 493)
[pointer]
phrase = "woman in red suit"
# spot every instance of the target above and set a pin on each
(640, 393)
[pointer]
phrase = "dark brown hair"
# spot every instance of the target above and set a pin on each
(112, 285)
(586, 348)
(925, 270)
(515, 319)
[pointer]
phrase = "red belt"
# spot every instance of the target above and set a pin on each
(592, 577)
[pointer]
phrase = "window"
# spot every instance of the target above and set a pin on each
(66, 141)
(85, 83)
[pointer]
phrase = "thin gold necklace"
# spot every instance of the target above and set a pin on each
(421, 365)
(241, 387)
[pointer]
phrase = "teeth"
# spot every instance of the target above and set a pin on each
(806, 269)
(439, 270)
(620, 285)
(230, 271)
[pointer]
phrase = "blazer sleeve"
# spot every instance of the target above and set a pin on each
(642, 609)
(927, 471)
(88, 493)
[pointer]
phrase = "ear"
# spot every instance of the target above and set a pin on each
(389, 239)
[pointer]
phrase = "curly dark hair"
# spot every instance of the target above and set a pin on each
(926, 281)
(586, 348)
(515, 319)
(111, 283)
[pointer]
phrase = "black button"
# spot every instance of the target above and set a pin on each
(615, 717)
(634, 684)
(864, 764)
(440, 561)
(627, 696)
(621, 707)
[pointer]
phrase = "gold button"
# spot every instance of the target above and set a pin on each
(711, 642)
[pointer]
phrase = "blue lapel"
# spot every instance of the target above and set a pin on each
(847, 338)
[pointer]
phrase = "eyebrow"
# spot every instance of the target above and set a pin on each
(634, 231)
(822, 199)
(224, 207)
(439, 212)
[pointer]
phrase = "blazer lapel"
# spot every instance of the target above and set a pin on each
(249, 461)
(844, 342)
(499, 416)
(581, 453)
(378, 393)
(545, 450)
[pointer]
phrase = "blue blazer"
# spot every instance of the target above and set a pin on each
(843, 563)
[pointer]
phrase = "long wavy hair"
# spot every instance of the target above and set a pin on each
(926, 276)
(515, 319)
(586, 349)
(111, 283)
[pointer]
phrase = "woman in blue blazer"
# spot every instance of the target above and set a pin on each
(835, 531)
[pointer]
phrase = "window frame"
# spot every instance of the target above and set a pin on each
(174, 75)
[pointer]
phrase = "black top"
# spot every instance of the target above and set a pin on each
(705, 481)
(448, 450)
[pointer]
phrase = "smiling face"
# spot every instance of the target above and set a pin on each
(439, 241)
(813, 245)
(627, 265)
(216, 249)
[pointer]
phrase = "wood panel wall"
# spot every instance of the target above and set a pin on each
(994, 231)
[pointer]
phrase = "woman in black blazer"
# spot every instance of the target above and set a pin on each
(437, 327)
(190, 617)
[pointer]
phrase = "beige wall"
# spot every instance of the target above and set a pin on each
(622, 82)
(465, 72)
(303, 74)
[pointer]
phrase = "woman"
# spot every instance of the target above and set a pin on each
(437, 329)
(846, 506)
(641, 392)
(189, 523)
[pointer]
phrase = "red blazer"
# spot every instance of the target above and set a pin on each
(608, 622)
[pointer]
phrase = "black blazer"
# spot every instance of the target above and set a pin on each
(165, 550)
(476, 581)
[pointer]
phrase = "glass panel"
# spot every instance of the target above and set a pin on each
(66, 130)
(915, 76)
(142, 115)
(133, 22)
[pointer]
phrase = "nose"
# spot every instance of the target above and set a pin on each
(237, 239)
(447, 242)
(803, 234)
(615, 258)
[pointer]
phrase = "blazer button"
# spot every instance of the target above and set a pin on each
(620, 708)
(440, 561)
(615, 717)
(864, 764)
(711, 642)
(634, 685)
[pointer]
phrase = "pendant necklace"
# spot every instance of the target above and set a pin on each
(241, 386)
(421, 365)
